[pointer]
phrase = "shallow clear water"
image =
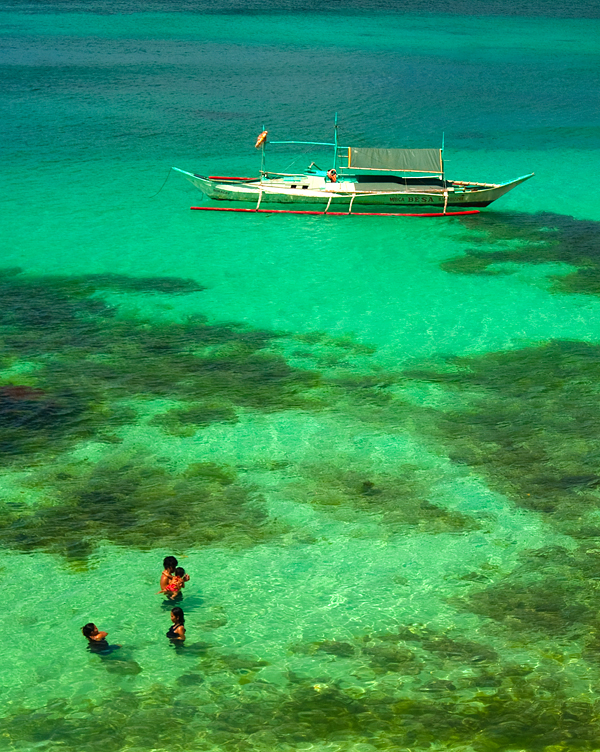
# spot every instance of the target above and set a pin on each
(372, 442)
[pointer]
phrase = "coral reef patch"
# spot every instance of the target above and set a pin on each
(131, 501)
(186, 421)
(397, 499)
(76, 368)
(552, 593)
(541, 238)
(82, 358)
(526, 421)
(475, 700)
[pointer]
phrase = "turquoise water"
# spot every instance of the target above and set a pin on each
(373, 443)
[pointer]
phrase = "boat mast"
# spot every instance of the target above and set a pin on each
(335, 141)
(443, 172)
(262, 156)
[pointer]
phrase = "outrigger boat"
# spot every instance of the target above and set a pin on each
(401, 179)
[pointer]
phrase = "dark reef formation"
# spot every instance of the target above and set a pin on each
(487, 704)
(76, 368)
(398, 500)
(542, 238)
(526, 420)
(132, 502)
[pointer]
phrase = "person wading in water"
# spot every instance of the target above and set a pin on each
(177, 631)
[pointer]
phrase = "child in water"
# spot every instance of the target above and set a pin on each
(171, 586)
(178, 581)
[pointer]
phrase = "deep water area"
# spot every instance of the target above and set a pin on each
(372, 442)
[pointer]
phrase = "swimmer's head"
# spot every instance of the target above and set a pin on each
(177, 616)
(180, 571)
(89, 629)
(169, 563)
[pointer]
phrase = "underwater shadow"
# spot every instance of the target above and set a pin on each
(542, 238)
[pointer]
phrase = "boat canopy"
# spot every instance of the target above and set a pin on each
(394, 160)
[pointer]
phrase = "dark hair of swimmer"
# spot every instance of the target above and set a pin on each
(180, 571)
(178, 614)
(88, 629)
(169, 563)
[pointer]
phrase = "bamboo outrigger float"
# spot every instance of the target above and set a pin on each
(393, 179)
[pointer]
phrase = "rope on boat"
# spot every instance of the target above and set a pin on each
(343, 194)
(302, 154)
(163, 185)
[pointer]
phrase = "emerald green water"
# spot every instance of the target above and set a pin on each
(373, 443)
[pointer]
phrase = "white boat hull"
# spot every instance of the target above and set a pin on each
(344, 195)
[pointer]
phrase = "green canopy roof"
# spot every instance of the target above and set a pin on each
(394, 160)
